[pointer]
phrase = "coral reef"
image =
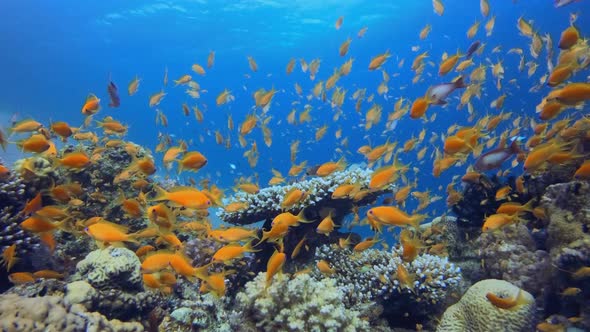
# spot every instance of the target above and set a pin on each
(206, 313)
(474, 312)
(111, 268)
(300, 304)
(109, 281)
(267, 202)
(371, 275)
(52, 313)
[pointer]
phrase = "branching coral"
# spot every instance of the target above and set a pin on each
(371, 275)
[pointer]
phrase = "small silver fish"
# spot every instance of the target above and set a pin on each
(561, 3)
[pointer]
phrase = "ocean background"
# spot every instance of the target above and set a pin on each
(54, 53)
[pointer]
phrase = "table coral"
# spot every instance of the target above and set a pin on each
(300, 304)
(475, 313)
(267, 202)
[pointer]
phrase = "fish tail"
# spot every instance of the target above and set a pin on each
(161, 194)
(417, 219)
(521, 299)
(301, 217)
(460, 83)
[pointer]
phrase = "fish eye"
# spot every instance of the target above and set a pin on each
(370, 211)
(208, 202)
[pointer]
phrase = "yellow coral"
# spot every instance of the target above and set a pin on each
(474, 312)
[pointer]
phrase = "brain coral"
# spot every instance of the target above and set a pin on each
(300, 304)
(475, 313)
(51, 313)
(110, 268)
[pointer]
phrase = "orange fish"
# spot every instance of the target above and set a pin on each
(292, 197)
(21, 277)
(326, 226)
(338, 23)
(48, 274)
(91, 105)
(187, 197)
(497, 221)
(9, 257)
(507, 302)
(419, 107)
(274, 265)
(379, 60)
(325, 268)
(35, 143)
(33, 205)
(330, 167)
(252, 63)
(133, 86)
(77, 160)
(389, 215)
(106, 232)
(569, 37)
(192, 161)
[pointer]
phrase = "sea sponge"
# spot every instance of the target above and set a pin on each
(300, 304)
(52, 313)
(111, 268)
(475, 313)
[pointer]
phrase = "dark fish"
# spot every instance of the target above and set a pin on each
(494, 159)
(473, 48)
(113, 94)
(438, 93)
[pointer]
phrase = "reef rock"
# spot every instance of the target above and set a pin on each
(511, 254)
(52, 313)
(475, 313)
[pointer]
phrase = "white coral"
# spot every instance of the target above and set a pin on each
(301, 304)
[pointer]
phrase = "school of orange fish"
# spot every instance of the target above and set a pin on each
(557, 140)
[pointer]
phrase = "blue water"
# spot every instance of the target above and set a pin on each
(54, 53)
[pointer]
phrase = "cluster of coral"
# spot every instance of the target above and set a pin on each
(267, 202)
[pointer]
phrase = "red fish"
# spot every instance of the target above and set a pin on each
(494, 159)
(113, 94)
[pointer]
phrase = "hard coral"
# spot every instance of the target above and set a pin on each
(111, 268)
(267, 202)
(474, 312)
(52, 313)
(300, 304)
(109, 281)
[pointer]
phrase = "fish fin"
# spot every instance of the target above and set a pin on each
(161, 194)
